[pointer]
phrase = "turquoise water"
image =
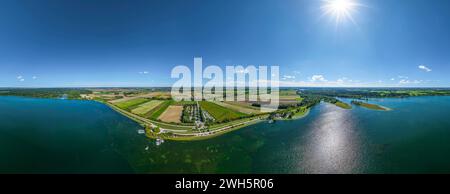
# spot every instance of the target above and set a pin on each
(65, 136)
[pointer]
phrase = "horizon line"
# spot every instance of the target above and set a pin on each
(410, 87)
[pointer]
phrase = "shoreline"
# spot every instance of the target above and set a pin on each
(182, 135)
(235, 125)
(305, 114)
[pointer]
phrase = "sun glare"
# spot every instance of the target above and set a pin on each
(341, 10)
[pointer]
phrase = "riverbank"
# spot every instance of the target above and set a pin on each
(370, 106)
(343, 105)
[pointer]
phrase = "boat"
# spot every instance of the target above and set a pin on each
(159, 141)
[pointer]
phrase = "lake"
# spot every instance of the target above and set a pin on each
(72, 136)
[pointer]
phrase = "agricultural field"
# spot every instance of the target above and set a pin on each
(246, 104)
(117, 99)
(220, 113)
(289, 97)
(104, 96)
(157, 95)
(121, 95)
(239, 108)
(160, 109)
(129, 104)
(182, 103)
(146, 107)
(288, 92)
(172, 114)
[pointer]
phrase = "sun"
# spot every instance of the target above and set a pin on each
(341, 10)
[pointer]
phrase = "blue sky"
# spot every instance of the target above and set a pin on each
(71, 43)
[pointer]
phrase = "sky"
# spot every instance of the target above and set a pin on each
(106, 43)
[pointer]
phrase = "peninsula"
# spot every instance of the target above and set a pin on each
(163, 118)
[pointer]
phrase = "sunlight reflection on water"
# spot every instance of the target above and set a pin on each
(333, 146)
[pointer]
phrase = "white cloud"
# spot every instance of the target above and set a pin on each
(308, 83)
(285, 77)
(425, 68)
(34, 77)
(316, 78)
(405, 81)
(343, 80)
(143, 72)
(20, 78)
(340, 82)
(392, 79)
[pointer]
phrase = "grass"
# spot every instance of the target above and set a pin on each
(370, 106)
(177, 126)
(220, 113)
(160, 109)
(302, 112)
(181, 103)
(126, 105)
(343, 105)
(146, 107)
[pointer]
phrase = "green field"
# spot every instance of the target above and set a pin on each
(131, 103)
(146, 107)
(220, 113)
(181, 103)
(238, 108)
(288, 93)
(160, 109)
